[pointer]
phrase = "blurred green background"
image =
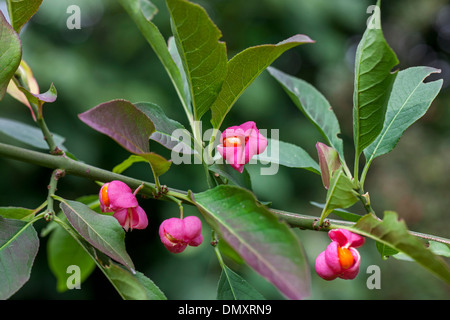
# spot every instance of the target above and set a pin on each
(108, 59)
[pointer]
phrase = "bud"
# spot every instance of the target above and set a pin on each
(328, 161)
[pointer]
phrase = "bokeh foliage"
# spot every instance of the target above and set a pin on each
(109, 59)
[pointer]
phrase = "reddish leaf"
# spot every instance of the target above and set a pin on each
(123, 122)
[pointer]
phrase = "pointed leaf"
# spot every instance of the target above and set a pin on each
(231, 176)
(340, 194)
(26, 75)
(159, 164)
(171, 45)
(394, 233)
(439, 248)
(40, 98)
(328, 161)
(204, 58)
(29, 135)
(289, 155)
(101, 231)
(123, 122)
(313, 105)
(344, 214)
(20, 11)
(373, 84)
(148, 9)
(138, 10)
(410, 100)
(384, 250)
(19, 245)
(233, 287)
(128, 162)
(10, 53)
(266, 244)
(244, 68)
(132, 286)
(17, 213)
(64, 251)
(165, 129)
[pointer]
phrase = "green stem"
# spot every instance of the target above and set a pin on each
(48, 136)
(364, 173)
(79, 169)
(216, 249)
(179, 203)
(356, 166)
(52, 186)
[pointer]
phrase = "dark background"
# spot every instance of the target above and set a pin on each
(109, 59)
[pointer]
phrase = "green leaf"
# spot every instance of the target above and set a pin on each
(152, 291)
(394, 233)
(204, 58)
(39, 99)
(328, 162)
(128, 162)
(373, 84)
(64, 251)
(10, 53)
(233, 287)
(232, 176)
(129, 126)
(171, 45)
(344, 214)
(340, 194)
(410, 100)
(313, 105)
(20, 11)
(17, 213)
(266, 244)
(385, 250)
(132, 286)
(138, 10)
(229, 252)
(289, 155)
(101, 231)
(148, 9)
(165, 129)
(25, 74)
(19, 245)
(159, 164)
(439, 248)
(27, 134)
(244, 68)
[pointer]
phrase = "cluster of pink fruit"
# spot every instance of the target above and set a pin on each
(238, 145)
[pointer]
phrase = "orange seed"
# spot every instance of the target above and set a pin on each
(345, 258)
